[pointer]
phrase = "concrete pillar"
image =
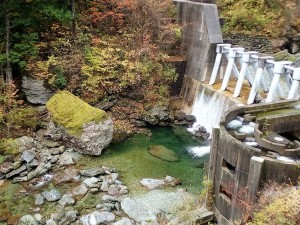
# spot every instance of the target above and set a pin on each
(255, 171)
(262, 61)
(213, 153)
(295, 84)
(231, 59)
(278, 71)
(246, 61)
(219, 50)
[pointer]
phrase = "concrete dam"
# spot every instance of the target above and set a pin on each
(250, 104)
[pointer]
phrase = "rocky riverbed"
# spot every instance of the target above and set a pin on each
(48, 184)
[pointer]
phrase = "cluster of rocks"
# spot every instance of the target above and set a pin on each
(37, 158)
(201, 132)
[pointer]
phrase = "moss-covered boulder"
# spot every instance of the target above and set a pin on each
(89, 130)
(163, 153)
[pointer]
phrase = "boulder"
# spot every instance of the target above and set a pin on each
(89, 130)
(35, 91)
(163, 153)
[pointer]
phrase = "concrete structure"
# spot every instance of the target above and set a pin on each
(239, 170)
(260, 72)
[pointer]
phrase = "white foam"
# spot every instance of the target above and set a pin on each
(199, 151)
(251, 143)
(234, 124)
(287, 159)
(247, 129)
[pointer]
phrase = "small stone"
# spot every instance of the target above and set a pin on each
(94, 190)
(66, 200)
(71, 216)
(91, 182)
(50, 222)
(59, 150)
(50, 144)
(28, 156)
(52, 195)
(108, 198)
(19, 179)
(151, 184)
(97, 218)
(104, 186)
(16, 172)
(79, 191)
(93, 172)
(66, 159)
(55, 159)
(6, 167)
(39, 199)
(27, 220)
(38, 217)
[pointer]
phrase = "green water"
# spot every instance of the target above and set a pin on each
(132, 160)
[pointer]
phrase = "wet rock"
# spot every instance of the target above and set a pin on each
(163, 153)
(6, 167)
(27, 220)
(93, 172)
(123, 221)
(151, 184)
(66, 200)
(79, 191)
(92, 182)
(67, 175)
(52, 195)
(28, 156)
(15, 172)
(96, 218)
(39, 199)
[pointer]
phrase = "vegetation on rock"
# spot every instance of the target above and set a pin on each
(71, 112)
(163, 153)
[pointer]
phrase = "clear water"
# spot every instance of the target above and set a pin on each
(132, 160)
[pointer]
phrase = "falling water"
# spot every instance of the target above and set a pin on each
(208, 109)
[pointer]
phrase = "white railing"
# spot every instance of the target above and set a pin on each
(277, 78)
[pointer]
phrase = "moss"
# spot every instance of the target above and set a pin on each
(8, 146)
(71, 112)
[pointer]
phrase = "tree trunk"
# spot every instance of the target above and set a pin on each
(73, 15)
(7, 47)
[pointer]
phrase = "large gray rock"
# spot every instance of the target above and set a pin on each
(93, 172)
(87, 129)
(35, 90)
(96, 218)
(151, 184)
(145, 209)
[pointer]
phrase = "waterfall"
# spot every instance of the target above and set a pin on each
(208, 108)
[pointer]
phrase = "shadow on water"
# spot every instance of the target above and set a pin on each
(132, 160)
